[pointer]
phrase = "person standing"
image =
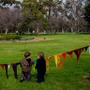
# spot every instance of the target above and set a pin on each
(26, 65)
(41, 67)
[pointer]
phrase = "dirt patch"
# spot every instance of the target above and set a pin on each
(40, 39)
(27, 40)
(87, 78)
(34, 40)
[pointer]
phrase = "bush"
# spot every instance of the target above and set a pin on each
(10, 37)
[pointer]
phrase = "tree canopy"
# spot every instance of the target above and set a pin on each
(52, 16)
(33, 13)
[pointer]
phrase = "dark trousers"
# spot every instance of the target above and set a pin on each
(40, 77)
(26, 76)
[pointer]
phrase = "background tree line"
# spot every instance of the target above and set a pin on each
(48, 16)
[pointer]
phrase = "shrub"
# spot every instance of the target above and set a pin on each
(10, 37)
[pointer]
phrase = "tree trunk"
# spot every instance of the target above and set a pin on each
(62, 30)
(28, 31)
(71, 29)
(37, 30)
(78, 29)
(6, 31)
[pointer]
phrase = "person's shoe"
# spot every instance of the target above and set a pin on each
(39, 81)
(21, 80)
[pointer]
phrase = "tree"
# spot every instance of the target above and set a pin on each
(51, 7)
(87, 12)
(10, 2)
(74, 11)
(59, 24)
(9, 20)
(33, 14)
(87, 15)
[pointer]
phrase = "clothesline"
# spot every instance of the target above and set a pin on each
(71, 50)
(62, 56)
(14, 67)
(59, 60)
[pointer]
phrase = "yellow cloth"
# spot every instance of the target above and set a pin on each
(57, 59)
(48, 61)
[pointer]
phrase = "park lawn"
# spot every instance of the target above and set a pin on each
(69, 77)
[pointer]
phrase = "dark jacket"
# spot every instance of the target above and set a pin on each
(41, 66)
(26, 65)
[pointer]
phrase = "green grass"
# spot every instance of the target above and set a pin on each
(70, 77)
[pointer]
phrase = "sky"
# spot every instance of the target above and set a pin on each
(19, 0)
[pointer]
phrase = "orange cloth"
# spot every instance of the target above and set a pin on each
(59, 60)
(63, 60)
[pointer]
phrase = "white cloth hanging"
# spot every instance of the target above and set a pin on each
(89, 49)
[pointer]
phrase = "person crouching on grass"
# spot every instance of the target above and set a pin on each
(41, 67)
(26, 65)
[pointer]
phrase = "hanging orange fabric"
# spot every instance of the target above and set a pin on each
(58, 61)
(62, 62)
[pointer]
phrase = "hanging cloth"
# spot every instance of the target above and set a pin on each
(70, 53)
(48, 59)
(6, 69)
(86, 48)
(63, 60)
(14, 66)
(2, 66)
(57, 59)
(78, 53)
(89, 49)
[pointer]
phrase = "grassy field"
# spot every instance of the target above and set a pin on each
(70, 77)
